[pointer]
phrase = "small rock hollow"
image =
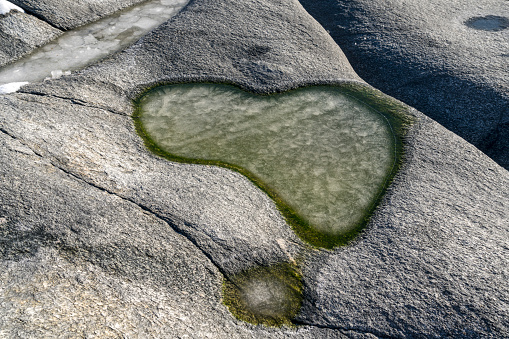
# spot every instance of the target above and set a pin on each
(271, 295)
(491, 23)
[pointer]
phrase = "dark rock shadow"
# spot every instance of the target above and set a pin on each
(478, 113)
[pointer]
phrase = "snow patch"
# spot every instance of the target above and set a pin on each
(6, 7)
(11, 87)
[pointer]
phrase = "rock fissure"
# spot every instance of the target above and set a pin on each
(344, 330)
(71, 100)
(43, 20)
(165, 219)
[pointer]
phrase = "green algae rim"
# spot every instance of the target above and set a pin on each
(285, 273)
(394, 113)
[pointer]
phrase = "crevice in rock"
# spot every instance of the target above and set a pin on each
(38, 17)
(72, 100)
(166, 220)
(341, 329)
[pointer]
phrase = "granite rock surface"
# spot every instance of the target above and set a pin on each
(433, 56)
(93, 226)
(67, 15)
(21, 33)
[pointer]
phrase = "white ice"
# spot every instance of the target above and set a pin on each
(6, 7)
(11, 87)
(85, 45)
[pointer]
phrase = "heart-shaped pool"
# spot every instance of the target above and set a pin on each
(322, 155)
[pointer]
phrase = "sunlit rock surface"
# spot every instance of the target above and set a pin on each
(66, 15)
(80, 47)
(324, 153)
(77, 181)
(21, 33)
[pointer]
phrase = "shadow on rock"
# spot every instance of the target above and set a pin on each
(459, 100)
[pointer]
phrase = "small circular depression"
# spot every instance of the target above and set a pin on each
(265, 295)
(490, 23)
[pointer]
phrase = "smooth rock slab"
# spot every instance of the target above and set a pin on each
(75, 259)
(21, 33)
(452, 201)
(433, 262)
(425, 54)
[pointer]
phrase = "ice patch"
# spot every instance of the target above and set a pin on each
(6, 7)
(82, 46)
(324, 153)
(58, 73)
(11, 87)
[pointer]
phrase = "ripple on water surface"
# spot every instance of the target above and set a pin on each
(325, 154)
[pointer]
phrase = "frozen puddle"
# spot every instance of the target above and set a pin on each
(324, 154)
(84, 45)
(491, 23)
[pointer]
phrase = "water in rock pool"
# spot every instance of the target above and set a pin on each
(325, 154)
(491, 23)
(84, 45)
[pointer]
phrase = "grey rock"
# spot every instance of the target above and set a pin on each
(103, 149)
(87, 208)
(433, 261)
(67, 15)
(425, 54)
(264, 52)
(21, 33)
(79, 261)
